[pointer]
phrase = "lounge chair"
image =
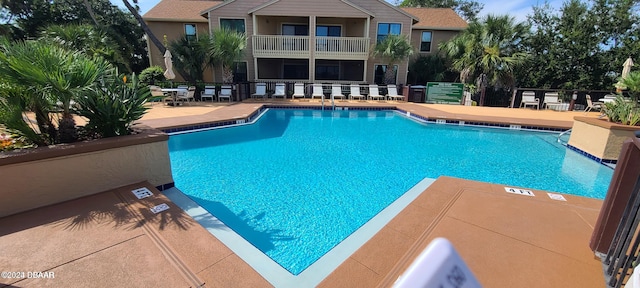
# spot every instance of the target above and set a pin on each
(392, 93)
(298, 91)
(317, 91)
(225, 92)
(189, 96)
(261, 91)
(209, 92)
(280, 91)
(355, 92)
(551, 99)
(592, 105)
(336, 91)
(529, 99)
(374, 92)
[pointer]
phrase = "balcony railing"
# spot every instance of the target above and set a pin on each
(340, 48)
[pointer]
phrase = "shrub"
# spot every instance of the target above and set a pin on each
(111, 111)
(152, 75)
(622, 111)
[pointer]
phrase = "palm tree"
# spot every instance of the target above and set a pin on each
(191, 56)
(53, 76)
(226, 47)
(393, 49)
(487, 52)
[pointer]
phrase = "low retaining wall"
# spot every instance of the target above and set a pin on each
(48, 175)
(599, 137)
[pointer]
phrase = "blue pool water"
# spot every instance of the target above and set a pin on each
(298, 182)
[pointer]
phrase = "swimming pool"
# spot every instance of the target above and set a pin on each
(297, 182)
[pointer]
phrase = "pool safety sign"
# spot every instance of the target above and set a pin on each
(442, 92)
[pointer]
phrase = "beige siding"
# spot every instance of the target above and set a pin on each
(327, 8)
(437, 37)
(173, 30)
(385, 14)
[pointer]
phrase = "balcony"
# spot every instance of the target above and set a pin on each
(336, 48)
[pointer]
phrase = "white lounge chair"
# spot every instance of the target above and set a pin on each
(529, 99)
(189, 96)
(374, 92)
(225, 92)
(551, 99)
(317, 91)
(280, 91)
(298, 91)
(591, 105)
(355, 92)
(261, 91)
(209, 92)
(392, 93)
(336, 91)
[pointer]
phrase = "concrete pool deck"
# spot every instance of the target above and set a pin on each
(111, 239)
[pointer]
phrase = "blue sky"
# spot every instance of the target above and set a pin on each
(516, 8)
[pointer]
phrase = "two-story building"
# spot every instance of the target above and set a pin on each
(302, 40)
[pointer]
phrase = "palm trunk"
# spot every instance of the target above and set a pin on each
(150, 34)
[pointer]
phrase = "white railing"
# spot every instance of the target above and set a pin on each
(279, 46)
(342, 48)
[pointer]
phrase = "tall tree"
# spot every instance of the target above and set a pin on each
(392, 50)
(226, 46)
(468, 9)
(488, 52)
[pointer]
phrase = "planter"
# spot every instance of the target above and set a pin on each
(48, 175)
(599, 138)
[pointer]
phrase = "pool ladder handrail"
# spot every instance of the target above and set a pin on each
(562, 134)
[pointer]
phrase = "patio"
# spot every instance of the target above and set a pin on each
(507, 240)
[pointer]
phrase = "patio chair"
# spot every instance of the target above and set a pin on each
(317, 91)
(261, 91)
(225, 92)
(551, 99)
(189, 96)
(156, 94)
(355, 92)
(280, 91)
(209, 92)
(592, 105)
(392, 93)
(529, 99)
(374, 92)
(336, 91)
(298, 91)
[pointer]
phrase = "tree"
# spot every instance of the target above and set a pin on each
(225, 47)
(191, 56)
(25, 19)
(468, 9)
(392, 50)
(488, 52)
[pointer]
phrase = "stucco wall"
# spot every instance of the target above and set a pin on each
(36, 179)
(598, 137)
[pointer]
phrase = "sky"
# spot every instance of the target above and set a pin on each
(518, 9)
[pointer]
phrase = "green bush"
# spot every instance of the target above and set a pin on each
(111, 111)
(622, 111)
(152, 75)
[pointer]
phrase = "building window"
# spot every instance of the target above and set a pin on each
(380, 71)
(190, 32)
(240, 72)
(328, 31)
(295, 30)
(425, 42)
(386, 29)
(233, 25)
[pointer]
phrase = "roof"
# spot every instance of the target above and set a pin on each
(179, 10)
(436, 18)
